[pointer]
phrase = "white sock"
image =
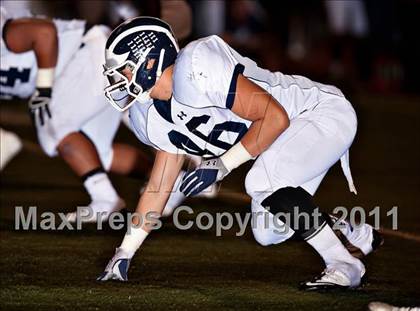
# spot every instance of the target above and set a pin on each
(133, 239)
(100, 188)
(327, 244)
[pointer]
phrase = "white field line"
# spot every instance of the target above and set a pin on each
(401, 234)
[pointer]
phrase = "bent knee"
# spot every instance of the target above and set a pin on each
(248, 181)
(256, 181)
(266, 237)
(262, 237)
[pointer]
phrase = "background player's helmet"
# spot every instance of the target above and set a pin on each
(145, 46)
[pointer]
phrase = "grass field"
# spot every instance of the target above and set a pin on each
(188, 270)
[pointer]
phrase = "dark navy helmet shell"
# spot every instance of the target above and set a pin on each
(145, 46)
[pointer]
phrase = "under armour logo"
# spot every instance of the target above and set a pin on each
(181, 115)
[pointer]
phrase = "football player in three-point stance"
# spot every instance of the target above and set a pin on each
(210, 101)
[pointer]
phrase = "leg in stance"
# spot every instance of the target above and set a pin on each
(130, 161)
(343, 270)
(359, 241)
(78, 151)
(313, 142)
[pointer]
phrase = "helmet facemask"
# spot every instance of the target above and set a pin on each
(122, 92)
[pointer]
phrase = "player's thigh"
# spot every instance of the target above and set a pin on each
(306, 150)
(312, 185)
(77, 98)
(101, 131)
(78, 91)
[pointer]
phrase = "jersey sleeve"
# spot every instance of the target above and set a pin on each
(14, 10)
(4, 17)
(206, 73)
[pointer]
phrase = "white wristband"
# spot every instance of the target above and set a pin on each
(133, 239)
(235, 156)
(45, 77)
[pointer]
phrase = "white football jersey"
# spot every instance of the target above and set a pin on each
(198, 120)
(18, 71)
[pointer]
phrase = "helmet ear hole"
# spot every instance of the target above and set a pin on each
(135, 89)
(150, 63)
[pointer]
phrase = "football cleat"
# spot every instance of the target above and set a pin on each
(360, 241)
(335, 277)
(377, 241)
(96, 211)
(117, 267)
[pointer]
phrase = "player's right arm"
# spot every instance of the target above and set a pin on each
(162, 179)
(40, 36)
(165, 171)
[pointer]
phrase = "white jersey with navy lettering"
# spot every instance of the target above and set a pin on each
(198, 120)
(18, 71)
(178, 128)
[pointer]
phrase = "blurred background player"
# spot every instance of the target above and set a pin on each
(54, 59)
(10, 143)
(58, 64)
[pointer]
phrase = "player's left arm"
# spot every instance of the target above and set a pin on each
(38, 35)
(269, 121)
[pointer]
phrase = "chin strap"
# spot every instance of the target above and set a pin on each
(160, 64)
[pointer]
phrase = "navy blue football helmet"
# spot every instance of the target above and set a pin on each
(136, 54)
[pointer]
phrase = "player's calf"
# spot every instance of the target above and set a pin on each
(342, 269)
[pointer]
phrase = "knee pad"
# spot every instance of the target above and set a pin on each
(295, 207)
